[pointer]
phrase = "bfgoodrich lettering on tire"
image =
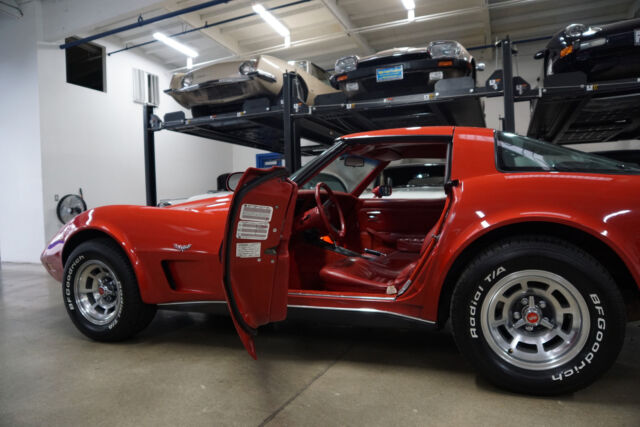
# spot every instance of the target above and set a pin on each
(538, 315)
(101, 294)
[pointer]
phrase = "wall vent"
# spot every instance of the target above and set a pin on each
(145, 88)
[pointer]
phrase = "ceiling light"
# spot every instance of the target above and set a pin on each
(410, 5)
(176, 45)
(273, 22)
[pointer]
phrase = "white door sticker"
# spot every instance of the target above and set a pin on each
(637, 36)
(248, 250)
(251, 212)
(252, 230)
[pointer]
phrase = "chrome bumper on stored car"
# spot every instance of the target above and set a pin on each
(224, 81)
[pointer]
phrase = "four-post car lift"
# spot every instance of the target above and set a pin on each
(565, 110)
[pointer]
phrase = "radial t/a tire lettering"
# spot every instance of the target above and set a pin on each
(538, 315)
(101, 294)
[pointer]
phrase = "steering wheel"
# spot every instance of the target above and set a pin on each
(337, 234)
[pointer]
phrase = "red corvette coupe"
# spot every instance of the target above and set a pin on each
(531, 250)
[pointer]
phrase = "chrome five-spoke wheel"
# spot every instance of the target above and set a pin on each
(537, 314)
(97, 292)
(535, 319)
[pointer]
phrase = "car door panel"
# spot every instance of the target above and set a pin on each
(255, 253)
(397, 223)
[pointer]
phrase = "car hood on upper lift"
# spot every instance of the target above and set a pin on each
(396, 51)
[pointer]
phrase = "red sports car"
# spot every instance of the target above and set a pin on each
(531, 250)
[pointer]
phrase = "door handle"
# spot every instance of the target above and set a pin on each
(373, 215)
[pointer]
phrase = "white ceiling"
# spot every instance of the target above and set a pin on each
(323, 30)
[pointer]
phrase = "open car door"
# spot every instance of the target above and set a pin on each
(255, 253)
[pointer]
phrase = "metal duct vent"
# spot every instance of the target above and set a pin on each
(145, 88)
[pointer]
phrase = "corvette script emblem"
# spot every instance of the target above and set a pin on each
(182, 248)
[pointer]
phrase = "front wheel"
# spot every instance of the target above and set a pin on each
(101, 293)
(538, 315)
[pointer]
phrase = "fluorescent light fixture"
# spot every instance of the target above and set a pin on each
(409, 4)
(273, 22)
(176, 45)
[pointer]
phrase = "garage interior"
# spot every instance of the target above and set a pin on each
(119, 139)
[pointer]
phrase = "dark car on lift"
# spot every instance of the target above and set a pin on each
(603, 52)
(402, 71)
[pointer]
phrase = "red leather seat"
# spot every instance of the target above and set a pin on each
(380, 275)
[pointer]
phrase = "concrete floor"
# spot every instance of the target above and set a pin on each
(190, 369)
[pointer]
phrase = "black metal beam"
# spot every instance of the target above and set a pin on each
(142, 22)
(292, 153)
(507, 74)
(149, 157)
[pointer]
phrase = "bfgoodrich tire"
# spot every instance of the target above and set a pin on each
(101, 293)
(538, 315)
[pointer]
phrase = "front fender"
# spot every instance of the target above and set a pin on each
(154, 239)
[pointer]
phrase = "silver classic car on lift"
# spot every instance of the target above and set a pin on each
(224, 86)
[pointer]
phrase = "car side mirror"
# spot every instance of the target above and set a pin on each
(480, 66)
(539, 54)
(233, 179)
(382, 191)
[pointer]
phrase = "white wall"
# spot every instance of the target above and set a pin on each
(56, 137)
(94, 139)
(21, 214)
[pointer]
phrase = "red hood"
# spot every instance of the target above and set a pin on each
(215, 202)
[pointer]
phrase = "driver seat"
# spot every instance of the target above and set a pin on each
(354, 274)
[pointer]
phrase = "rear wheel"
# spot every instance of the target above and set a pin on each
(538, 315)
(101, 293)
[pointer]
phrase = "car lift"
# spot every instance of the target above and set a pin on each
(563, 112)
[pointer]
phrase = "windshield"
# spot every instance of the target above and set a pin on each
(520, 154)
(344, 173)
(334, 182)
(348, 170)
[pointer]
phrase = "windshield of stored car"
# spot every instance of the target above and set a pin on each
(521, 154)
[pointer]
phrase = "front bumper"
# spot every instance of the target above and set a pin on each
(51, 257)
(618, 58)
(224, 91)
(415, 79)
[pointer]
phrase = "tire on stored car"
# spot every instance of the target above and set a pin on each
(101, 294)
(538, 315)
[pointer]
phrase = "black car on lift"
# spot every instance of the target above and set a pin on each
(603, 52)
(402, 71)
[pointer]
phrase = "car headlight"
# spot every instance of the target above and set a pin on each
(575, 30)
(444, 49)
(248, 67)
(346, 64)
(593, 43)
(187, 80)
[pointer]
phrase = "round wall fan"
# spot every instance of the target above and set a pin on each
(69, 206)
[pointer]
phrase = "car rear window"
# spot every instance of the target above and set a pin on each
(515, 153)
